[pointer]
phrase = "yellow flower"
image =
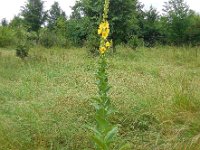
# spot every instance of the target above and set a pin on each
(108, 44)
(104, 29)
(102, 50)
(99, 31)
(106, 24)
(101, 25)
(105, 34)
(107, 31)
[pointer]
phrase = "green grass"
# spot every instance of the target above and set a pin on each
(45, 100)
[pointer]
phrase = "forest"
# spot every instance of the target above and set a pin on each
(130, 24)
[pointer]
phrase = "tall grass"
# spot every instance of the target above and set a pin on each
(44, 101)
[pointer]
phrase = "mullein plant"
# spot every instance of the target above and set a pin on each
(104, 132)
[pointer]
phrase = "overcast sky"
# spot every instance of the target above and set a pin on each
(9, 8)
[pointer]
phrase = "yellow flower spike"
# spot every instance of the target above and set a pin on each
(103, 100)
(104, 29)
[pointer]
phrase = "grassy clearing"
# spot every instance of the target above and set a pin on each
(45, 100)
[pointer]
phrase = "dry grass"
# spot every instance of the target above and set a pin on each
(45, 100)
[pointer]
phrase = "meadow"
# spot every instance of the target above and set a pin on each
(45, 100)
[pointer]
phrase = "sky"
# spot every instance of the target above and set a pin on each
(10, 8)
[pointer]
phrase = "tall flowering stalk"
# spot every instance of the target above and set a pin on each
(104, 131)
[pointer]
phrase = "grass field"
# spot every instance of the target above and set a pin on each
(45, 100)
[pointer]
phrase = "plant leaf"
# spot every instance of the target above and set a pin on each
(111, 134)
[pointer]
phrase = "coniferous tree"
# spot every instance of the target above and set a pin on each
(193, 32)
(17, 22)
(177, 20)
(151, 31)
(55, 14)
(34, 15)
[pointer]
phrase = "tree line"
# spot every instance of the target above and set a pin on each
(130, 24)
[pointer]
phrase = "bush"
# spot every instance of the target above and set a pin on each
(61, 41)
(22, 51)
(21, 36)
(7, 37)
(135, 42)
(92, 44)
(47, 39)
(32, 38)
(77, 31)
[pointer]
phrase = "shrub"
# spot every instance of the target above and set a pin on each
(20, 35)
(32, 38)
(135, 42)
(7, 37)
(92, 44)
(61, 41)
(22, 51)
(77, 31)
(47, 39)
